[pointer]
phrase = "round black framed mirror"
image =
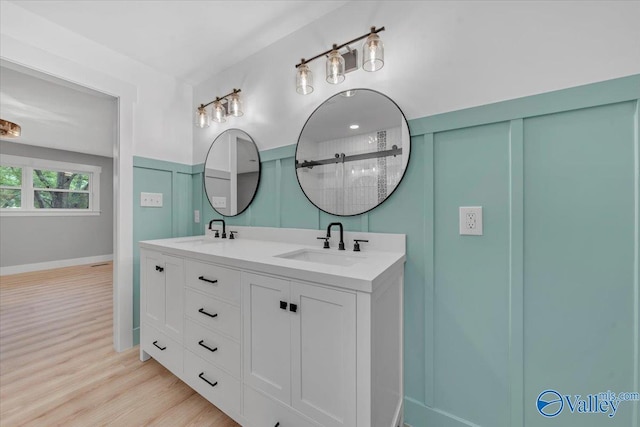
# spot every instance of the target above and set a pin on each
(352, 152)
(232, 172)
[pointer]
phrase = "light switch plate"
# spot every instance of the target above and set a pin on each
(219, 202)
(471, 220)
(196, 216)
(151, 200)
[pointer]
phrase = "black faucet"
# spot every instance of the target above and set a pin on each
(224, 230)
(341, 244)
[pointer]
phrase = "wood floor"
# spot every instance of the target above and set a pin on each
(58, 366)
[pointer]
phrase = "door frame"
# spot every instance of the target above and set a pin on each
(17, 52)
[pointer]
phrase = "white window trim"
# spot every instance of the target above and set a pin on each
(29, 163)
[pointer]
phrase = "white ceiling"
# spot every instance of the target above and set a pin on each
(57, 114)
(190, 40)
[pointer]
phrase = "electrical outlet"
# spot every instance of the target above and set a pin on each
(196, 216)
(471, 220)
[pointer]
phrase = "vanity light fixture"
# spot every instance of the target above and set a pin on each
(9, 129)
(228, 105)
(335, 67)
(304, 79)
(372, 53)
(372, 60)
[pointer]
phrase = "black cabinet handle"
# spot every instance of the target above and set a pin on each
(283, 305)
(201, 343)
(293, 307)
(160, 269)
(206, 380)
(208, 280)
(277, 425)
(161, 348)
(207, 314)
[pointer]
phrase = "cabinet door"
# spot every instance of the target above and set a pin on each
(267, 335)
(174, 297)
(323, 341)
(152, 289)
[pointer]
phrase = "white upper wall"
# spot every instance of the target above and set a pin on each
(163, 113)
(439, 57)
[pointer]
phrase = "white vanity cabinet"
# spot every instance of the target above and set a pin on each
(275, 341)
(212, 334)
(161, 307)
(300, 348)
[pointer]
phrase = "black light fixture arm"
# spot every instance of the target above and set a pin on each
(337, 47)
(220, 98)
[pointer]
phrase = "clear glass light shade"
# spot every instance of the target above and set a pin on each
(335, 68)
(218, 112)
(372, 53)
(202, 118)
(235, 105)
(304, 80)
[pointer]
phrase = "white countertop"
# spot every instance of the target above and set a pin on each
(260, 256)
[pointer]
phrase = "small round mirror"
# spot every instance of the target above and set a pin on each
(232, 172)
(352, 152)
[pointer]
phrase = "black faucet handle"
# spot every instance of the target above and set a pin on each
(217, 234)
(356, 244)
(231, 233)
(326, 242)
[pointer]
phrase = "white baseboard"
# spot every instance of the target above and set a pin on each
(26, 268)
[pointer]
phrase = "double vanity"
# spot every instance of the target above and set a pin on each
(274, 329)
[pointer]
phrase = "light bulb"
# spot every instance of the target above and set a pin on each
(304, 80)
(335, 67)
(202, 118)
(372, 53)
(235, 108)
(218, 112)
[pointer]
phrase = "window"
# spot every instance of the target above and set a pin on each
(31, 186)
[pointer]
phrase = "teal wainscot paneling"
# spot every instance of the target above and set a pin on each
(546, 299)
(173, 219)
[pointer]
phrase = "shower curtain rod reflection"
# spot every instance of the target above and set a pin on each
(342, 158)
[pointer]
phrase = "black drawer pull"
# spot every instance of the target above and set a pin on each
(206, 380)
(277, 425)
(293, 307)
(207, 314)
(201, 343)
(208, 280)
(161, 348)
(160, 269)
(283, 305)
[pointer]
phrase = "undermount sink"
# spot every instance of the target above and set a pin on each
(321, 257)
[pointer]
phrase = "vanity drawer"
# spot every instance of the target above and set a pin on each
(162, 348)
(261, 410)
(227, 282)
(213, 347)
(213, 384)
(213, 313)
